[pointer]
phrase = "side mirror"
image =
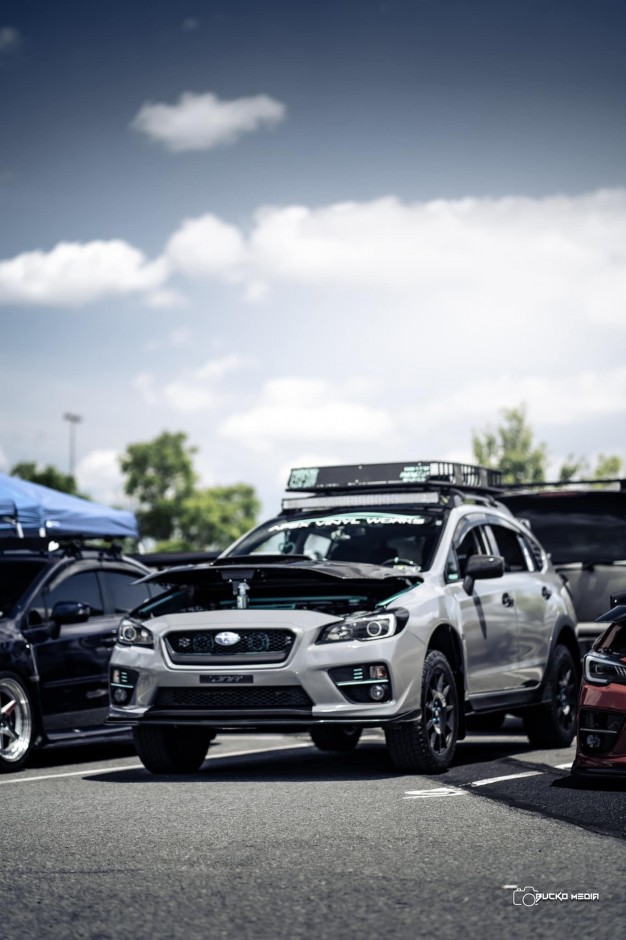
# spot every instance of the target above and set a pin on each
(619, 598)
(481, 568)
(70, 612)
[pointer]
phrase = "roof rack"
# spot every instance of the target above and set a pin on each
(419, 475)
(613, 484)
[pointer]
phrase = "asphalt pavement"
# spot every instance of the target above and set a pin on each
(275, 839)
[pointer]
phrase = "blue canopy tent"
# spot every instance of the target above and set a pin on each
(29, 509)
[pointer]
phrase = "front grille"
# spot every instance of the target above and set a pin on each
(195, 647)
(266, 697)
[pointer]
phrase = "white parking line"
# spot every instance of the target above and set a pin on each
(111, 770)
(567, 766)
(435, 792)
(483, 783)
(461, 790)
(73, 773)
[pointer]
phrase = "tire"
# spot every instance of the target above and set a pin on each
(428, 747)
(553, 724)
(493, 721)
(16, 722)
(339, 738)
(172, 750)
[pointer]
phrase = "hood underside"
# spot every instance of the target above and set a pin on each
(334, 587)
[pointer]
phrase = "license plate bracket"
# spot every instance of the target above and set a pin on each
(228, 679)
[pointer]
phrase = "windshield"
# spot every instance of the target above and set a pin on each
(378, 538)
(16, 576)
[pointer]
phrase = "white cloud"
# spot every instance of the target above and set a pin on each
(207, 246)
(296, 410)
(203, 121)
(9, 39)
(145, 384)
(4, 463)
(165, 299)
(551, 400)
(194, 390)
(486, 259)
(73, 273)
(99, 474)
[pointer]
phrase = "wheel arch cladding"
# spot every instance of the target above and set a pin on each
(565, 636)
(446, 640)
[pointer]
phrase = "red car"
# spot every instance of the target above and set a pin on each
(601, 740)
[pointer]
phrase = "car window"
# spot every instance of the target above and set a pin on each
(510, 548)
(535, 552)
(82, 587)
(576, 527)
(123, 594)
(473, 543)
(16, 576)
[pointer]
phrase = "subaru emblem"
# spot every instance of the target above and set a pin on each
(227, 639)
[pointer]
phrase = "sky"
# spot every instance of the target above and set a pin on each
(324, 231)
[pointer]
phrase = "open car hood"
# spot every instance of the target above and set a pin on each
(302, 581)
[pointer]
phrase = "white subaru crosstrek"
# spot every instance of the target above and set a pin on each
(395, 596)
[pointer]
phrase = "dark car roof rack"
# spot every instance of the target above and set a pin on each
(69, 546)
(427, 482)
(610, 485)
(410, 477)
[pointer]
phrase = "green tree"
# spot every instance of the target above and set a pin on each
(212, 518)
(510, 448)
(609, 467)
(160, 476)
(46, 476)
(573, 468)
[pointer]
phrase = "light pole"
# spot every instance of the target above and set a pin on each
(73, 420)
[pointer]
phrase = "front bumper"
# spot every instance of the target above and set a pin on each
(601, 737)
(295, 694)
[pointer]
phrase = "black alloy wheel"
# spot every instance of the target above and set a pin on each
(428, 747)
(553, 724)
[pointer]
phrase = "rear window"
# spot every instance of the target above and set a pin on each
(16, 576)
(587, 529)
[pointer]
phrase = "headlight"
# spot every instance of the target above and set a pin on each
(369, 627)
(132, 633)
(601, 669)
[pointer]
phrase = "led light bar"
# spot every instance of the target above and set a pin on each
(353, 476)
(366, 499)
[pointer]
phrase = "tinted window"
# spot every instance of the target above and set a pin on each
(81, 587)
(509, 547)
(583, 527)
(472, 543)
(123, 594)
(15, 579)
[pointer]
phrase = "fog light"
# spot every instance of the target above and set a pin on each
(121, 695)
(379, 672)
(593, 741)
(378, 692)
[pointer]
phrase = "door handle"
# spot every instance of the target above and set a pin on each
(507, 600)
(546, 593)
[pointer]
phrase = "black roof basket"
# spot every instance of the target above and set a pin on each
(419, 475)
(613, 484)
